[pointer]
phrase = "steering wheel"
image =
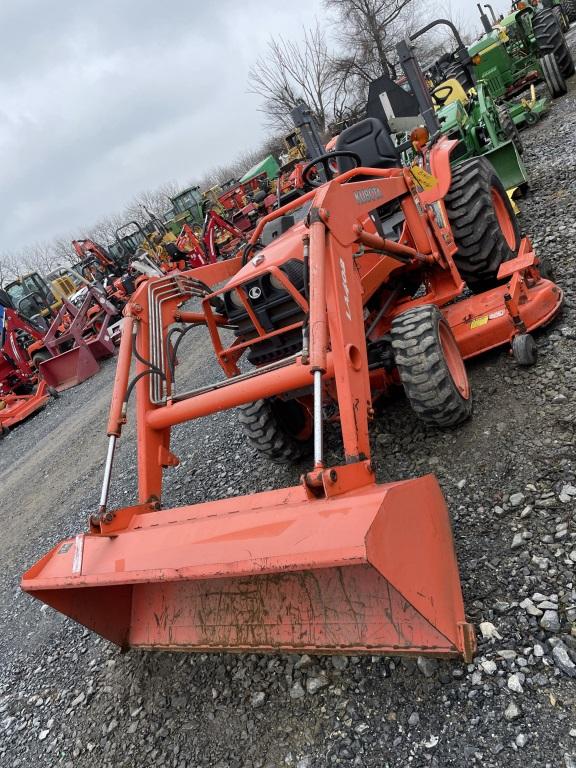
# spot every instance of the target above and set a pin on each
(324, 161)
(441, 94)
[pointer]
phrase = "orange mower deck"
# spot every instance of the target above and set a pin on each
(16, 408)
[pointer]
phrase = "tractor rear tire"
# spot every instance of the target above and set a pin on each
(509, 128)
(562, 19)
(552, 76)
(40, 357)
(569, 8)
(431, 367)
(483, 223)
(279, 429)
(550, 40)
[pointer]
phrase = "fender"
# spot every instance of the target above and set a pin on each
(437, 162)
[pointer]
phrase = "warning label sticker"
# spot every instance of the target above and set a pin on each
(478, 321)
(425, 179)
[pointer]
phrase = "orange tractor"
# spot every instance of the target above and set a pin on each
(22, 390)
(358, 286)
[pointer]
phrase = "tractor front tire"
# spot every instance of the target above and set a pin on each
(431, 367)
(509, 128)
(483, 223)
(551, 41)
(552, 76)
(279, 429)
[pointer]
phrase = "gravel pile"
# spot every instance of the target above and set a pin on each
(69, 699)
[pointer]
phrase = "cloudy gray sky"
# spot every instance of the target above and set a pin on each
(100, 100)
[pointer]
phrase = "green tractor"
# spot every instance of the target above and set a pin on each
(186, 209)
(558, 6)
(514, 53)
(460, 110)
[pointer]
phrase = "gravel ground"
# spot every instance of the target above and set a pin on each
(68, 698)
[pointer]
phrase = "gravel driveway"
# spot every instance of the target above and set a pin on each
(68, 698)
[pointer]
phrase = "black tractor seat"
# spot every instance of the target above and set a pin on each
(371, 141)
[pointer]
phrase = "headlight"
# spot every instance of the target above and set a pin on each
(275, 283)
(235, 299)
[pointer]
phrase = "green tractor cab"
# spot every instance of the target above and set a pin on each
(186, 209)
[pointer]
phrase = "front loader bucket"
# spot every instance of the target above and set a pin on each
(368, 571)
(69, 368)
(509, 166)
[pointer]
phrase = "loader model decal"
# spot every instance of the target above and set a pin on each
(368, 195)
(345, 288)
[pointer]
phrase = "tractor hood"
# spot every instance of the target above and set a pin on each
(486, 41)
(283, 248)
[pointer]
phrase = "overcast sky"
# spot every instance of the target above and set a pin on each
(101, 100)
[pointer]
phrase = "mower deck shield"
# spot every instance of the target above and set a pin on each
(369, 571)
(16, 408)
(69, 368)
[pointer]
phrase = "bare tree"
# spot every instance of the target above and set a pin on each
(40, 257)
(368, 30)
(10, 267)
(291, 72)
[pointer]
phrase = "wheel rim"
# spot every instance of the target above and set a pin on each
(295, 419)
(454, 360)
(504, 219)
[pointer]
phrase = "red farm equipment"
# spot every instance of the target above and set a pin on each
(85, 331)
(96, 263)
(218, 238)
(243, 203)
(355, 288)
(22, 391)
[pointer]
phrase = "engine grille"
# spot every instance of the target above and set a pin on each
(274, 309)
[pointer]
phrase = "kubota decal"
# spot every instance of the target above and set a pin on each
(345, 288)
(368, 195)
